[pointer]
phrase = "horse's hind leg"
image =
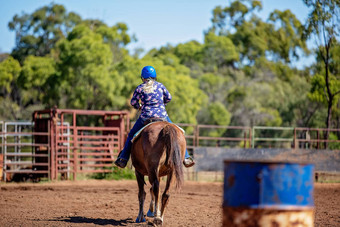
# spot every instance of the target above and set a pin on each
(154, 180)
(166, 194)
(141, 196)
(151, 211)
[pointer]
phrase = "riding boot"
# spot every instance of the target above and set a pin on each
(188, 162)
(120, 162)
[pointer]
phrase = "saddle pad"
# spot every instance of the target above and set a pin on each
(136, 135)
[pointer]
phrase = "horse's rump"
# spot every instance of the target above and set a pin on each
(160, 147)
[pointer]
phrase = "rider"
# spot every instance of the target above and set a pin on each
(153, 96)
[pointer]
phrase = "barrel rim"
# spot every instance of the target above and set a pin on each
(226, 161)
(273, 207)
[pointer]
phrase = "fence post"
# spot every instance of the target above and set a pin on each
(53, 137)
(295, 139)
(49, 150)
(197, 135)
(245, 139)
(75, 144)
(253, 137)
(317, 137)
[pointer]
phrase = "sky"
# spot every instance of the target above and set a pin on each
(155, 23)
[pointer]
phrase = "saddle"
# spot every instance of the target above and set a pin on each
(154, 119)
(149, 122)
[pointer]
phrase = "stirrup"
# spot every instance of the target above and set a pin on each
(188, 162)
(121, 162)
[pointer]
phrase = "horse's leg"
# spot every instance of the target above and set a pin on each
(141, 196)
(154, 180)
(166, 194)
(151, 211)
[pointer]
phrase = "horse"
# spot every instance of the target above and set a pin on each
(157, 152)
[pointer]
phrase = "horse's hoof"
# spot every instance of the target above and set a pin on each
(150, 214)
(139, 221)
(158, 221)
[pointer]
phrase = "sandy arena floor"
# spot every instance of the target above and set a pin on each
(115, 203)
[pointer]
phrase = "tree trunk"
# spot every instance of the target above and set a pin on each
(329, 93)
(329, 119)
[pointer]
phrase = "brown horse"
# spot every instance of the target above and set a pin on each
(159, 151)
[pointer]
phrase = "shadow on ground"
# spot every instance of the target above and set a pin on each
(96, 221)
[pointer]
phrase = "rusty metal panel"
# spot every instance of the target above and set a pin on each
(117, 122)
(41, 125)
(86, 150)
(75, 147)
(1, 165)
(245, 217)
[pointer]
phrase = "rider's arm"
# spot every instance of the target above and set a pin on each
(166, 95)
(135, 98)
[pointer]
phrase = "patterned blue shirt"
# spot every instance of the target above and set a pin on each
(152, 103)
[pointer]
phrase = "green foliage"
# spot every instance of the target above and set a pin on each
(219, 50)
(287, 39)
(236, 13)
(187, 97)
(117, 37)
(279, 39)
(334, 145)
(33, 79)
(35, 72)
(189, 52)
(9, 71)
(317, 92)
(85, 62)
(116, 174)
(37, 33)
(216, 114)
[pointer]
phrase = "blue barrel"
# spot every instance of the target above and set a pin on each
(261, 193)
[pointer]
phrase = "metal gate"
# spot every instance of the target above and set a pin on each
(18, 156)
(82, 141)
(84, 150)
(61, 143)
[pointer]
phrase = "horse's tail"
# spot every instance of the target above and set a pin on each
(173, 154)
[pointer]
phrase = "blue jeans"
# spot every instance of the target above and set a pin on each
(125, 153)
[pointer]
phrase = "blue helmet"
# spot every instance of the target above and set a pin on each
(148, 71)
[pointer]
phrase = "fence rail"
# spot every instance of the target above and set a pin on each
(69, 150)
(260, 137)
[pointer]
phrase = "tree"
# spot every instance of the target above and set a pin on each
(33, 80)
(230, 17)
(323, 25)
(278, 39)
(37, 33)
(190, 54)
(317, 92)
(219, 51)
(117, 37)
(9, 72)
(287, 36)
(84, 79)
(66, 61)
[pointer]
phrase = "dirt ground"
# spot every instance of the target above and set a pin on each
(115, 203)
